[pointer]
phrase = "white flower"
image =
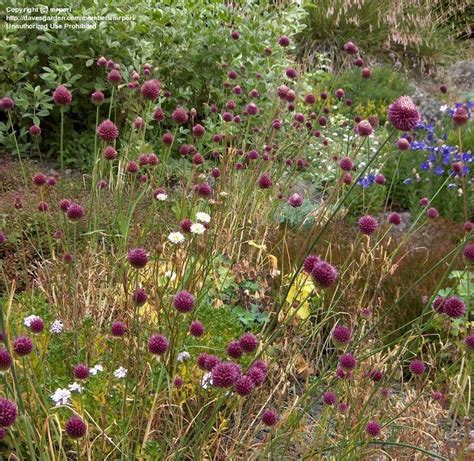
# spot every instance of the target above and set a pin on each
(443, 108)
(171, 275)
(75, 387)
(61, 396)
(95, 369)
(197, 228)
(183, 356)
(176, 238)
(203, 217)
(206, 380)
(27, 320)
(56, 327)
(120, 372)
(161, 197)
(223, 194)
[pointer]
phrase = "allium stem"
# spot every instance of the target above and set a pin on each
(62, 139)
(23, 172)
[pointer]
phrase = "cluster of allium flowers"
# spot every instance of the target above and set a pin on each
(139, 297)
(207, 361)
(75, 427)
(417, 367)
(151, 89)
(454, 307)
(373, 428)
(137, 257)
(244, 386)
(62, 96)
(248, 342)
(234, 349)
(158, 344)
(107, 130)
(329, 398)
(75, 212)
(403, 114)
(341, 335)
(225, 374)
(8, 412)
(184, 302)
(367, 224)
(324, 274)
(258, 372)
(22, 345)
(269, 417)
(347, 362)
(118, 329)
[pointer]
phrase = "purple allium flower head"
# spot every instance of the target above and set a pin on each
(114, 77)
(39, 179)
(244, 386)
(107, 131)
(437, 396)
(339, 93)
(51, 181)
(269, 417)
(8, 413)
(139, 297)
(403, 114)
(75, 212)
(34, 130)
(68, 258)
(62, 96)
(22, 345)
(329, 398)
(234, 349)
(184, 301)
(295, 200)
(264, 182)
(323, 121)
(417, 367)
(324, 274)
(376, 375)
(37, 325)
(225, 374)
(97, 97)
(395, 219)
(468, 252)
(81, 371)
(234, 35)
(185, 225)
(438, 304)
(284, 41)
(291, 73)
(366, 73)
(110, 153)
(167, 139)
(254, 93)
(178, 382)
(158, 115)
(310, 99)
(350, 48)
(138, 123)
(364, 128)
(367, 224)
(346, 164)
(179, 116)
(7, 103)
(373, 428)
(5, 359)
(454, 307)
(232, 74)
(469, 342)
(64, 204)
(2, 238)
(460, 116)
(251, 109)
(443, 89)
(137, 257)
(151, 89)
(403, 144)
(204, 189)
(75, 427)
(257, 375)
(424, 201)
(346, 178)
(248, 342)
(207, 361)
(198, 131)
(42, 206)
(196, 328)
(341, 335)
(309, 262)
(157, 344)
(118, 329)
(347, 361)
(432, 213)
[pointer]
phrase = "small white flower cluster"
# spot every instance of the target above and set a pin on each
(161, 197)
(183, 356)
(95, 369)
(170, 275)
(198, 229)
(120, 372)
(203, 217)
(27, 320)
(56, 327)
(61, 396)
(176, 238)
(206, 380)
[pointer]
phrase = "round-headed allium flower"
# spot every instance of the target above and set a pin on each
(35, 130)
(158, 115)
(139, 297)
(269, 417)
(403, 114)
(7, 103)
(114, 77)
(8, 413)
(364, 128)
(295, 200)
(346, 164)
(107, 130)
(75, 212)
(207, 361)
(184, 301)
(225, 374)
(424, 201)
(367, 224)
(251, 109)
(2, 238)
(395, 219)
(373, 428)
(185, 225)
(75, 427)
(350, 48)
(309, 262)
(196, 328)
(137, 257)
(403, 144)
(438, 304)
(39, 179)
(329, 398)
(178, 382)
(284, 41)
(179, 116)
(22, 345)
(176, 238)
(248, 342)
(376, 375)
(167, 139)
(62, 96)
(264, 182)
(158, 344)
(417, 367)
(432, 213)
(244, 386)
(366, 73)
(36, 325)
(234, 35)
(437, 396)
(110, 153)
(339, 93)
(460, 116)
(151, 89)
(341, 335)
(469, 342)
(139, 123)
(443, 89)
(291, 73)
(97, 97)
(42, 206)
(197, 159)
(324, 274)
(118, 329)
(347, 361)
(257, 373)
(468, 252)
(198, 131)
(5, 360)
(454, 307)
(234, 349)
(81, 371)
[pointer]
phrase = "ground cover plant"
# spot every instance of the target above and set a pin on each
(237, 277)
